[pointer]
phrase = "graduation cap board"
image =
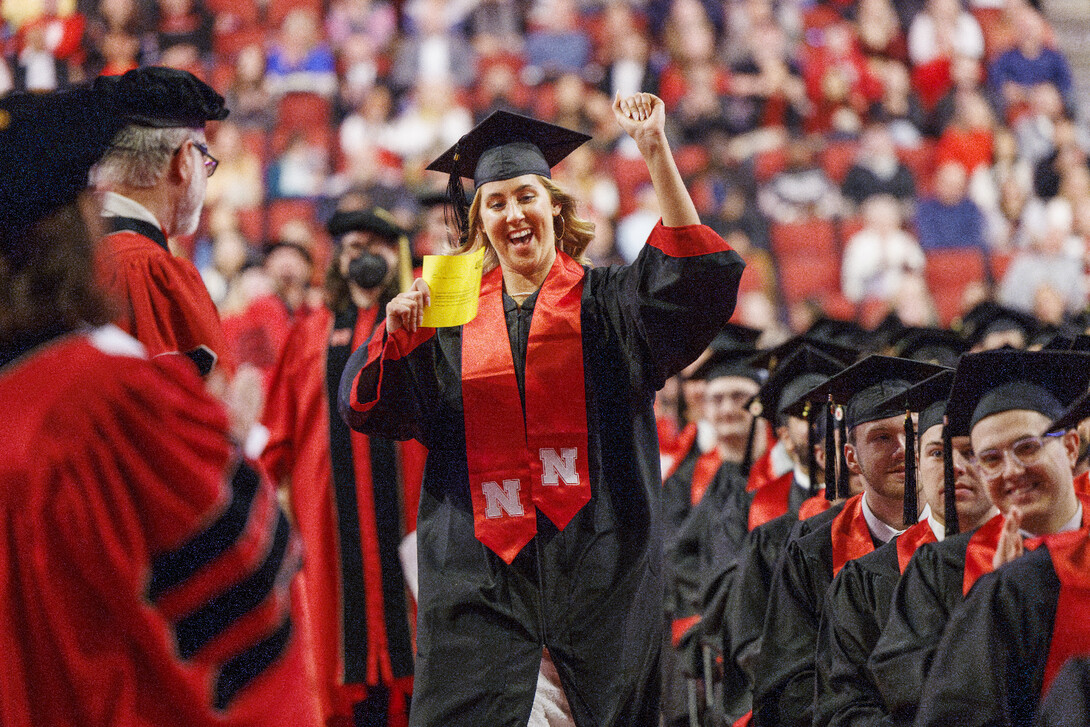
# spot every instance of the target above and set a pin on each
(732, 349)
(48, 144)
(933, 345)
(503, 146)
(990, 317)
(992, 382)
(1079, 410)
(162, 98)
(803, 370)
(863, 393)
(770, 358)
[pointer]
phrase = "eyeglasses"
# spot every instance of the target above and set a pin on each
(1026, 452)
(210, 162)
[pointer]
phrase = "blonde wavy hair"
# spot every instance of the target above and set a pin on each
(578, 232)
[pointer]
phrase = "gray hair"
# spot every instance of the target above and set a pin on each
(138, 156)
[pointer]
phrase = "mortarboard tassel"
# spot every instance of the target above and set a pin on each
(458, 209)
(811, 442)
(747, 456)
(911, 514)
(404, 263)
(843, 485)
(950, 496)
(830, 452)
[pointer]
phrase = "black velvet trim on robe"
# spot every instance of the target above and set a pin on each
(387, 509)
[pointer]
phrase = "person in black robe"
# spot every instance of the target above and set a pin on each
(859, 597)
(1007, 383)
(999, 651)
(560, 549)
(873, 448)
(1067, 703)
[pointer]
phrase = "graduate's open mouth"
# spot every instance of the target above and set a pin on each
(520, 238)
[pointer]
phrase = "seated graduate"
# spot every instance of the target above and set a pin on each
(940, 574)
(858, 600)
(720, 538)
(873, 447)
(149, 576)
(539, 528)
(1018, 624)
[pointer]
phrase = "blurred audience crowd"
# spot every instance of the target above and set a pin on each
(864, 156)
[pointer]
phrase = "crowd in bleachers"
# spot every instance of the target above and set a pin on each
(863, 156)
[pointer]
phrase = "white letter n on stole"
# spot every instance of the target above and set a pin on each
(555, 467)
(497, 501)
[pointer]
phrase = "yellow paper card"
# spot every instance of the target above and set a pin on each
(455, 283)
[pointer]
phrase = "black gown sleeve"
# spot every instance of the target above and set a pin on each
(783, 692)
(389, 385)
(855, 608)
(927, 593)
(673, 299)
(989, 666)
(1067, 703)
(747, 597)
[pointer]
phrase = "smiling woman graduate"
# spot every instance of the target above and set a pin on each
(539, 524)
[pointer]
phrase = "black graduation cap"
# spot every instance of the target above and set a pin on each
(732, 351)
(888, 330)
(163, 98)
(990, 382)
(507, 145)
(1079, 410)
(866, 389)
(375, 219)
(503, 146)
(1081, 343)
(933, 345)
(802, 371)
(48, 144)
(990, 317)
(769, 358)
(843, 333)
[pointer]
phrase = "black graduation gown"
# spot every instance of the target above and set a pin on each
(783, 689)
(1067, 703)
(856, 608)
(928, 592)
(593, 592)
(989, 666)
(746, 599)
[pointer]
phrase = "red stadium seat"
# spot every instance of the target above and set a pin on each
(282, 211)
(921, 160)
(767, 163)
(809, 277)
(814, 237)
(837, 158)
(947, 274)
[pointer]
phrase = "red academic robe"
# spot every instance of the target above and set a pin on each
(257, 334)
(162, 300)
(355, 590)
(138, 590)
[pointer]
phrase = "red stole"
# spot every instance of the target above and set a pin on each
(851, 536)
(1070, 553)
(542, 452)
(983, 542)
(1082, 484)
(771, 500)
(684, 442)
(706, 467)
(813, 505)
(911, 539)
